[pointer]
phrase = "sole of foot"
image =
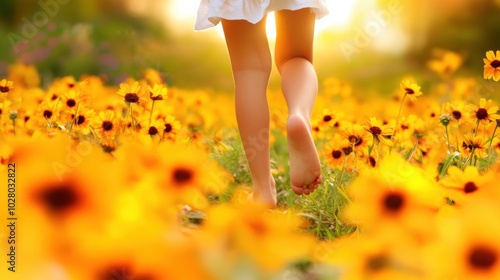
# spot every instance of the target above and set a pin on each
(305, 168)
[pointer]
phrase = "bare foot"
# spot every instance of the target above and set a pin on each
(265, 194)
(305, 169)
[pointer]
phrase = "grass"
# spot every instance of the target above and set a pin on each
(321, 209)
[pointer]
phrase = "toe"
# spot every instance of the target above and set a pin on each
(297, 190)
(307, 191)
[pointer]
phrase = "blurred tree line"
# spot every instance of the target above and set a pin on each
(104, 37)
(469, 27)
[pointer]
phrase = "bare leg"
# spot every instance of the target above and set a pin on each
(251, 64)
(299, 83)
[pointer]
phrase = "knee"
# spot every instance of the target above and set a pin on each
(263, 66)
(280, 61)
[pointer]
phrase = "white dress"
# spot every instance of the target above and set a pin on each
(210, 12)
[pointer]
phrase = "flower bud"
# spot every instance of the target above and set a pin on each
(445, 119)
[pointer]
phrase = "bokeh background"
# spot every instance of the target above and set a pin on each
(361, 41)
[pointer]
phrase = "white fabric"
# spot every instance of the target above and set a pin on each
(210, 12)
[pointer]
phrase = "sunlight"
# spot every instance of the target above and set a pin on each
(184, 12)
(340, 14)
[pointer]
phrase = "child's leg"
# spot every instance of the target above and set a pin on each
(251, 64)
(294, 51)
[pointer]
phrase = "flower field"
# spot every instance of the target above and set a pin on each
(145, 181)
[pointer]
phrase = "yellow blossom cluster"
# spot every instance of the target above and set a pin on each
(133, 182)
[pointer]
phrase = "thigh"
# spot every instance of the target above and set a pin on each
(294, 35)
(247, 45)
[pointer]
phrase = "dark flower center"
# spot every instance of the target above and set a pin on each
(355, 140)
(108, 148)
(153, 131)
(336, 154)
(182, 175)
(131, 98)
(482, 257)
(394, 202)
(482, 114)
(27, 118)
(372, 161)
(327, 118)
(168, 128)
(495, 63)
(155, 97)
(404, 127)
(71, 103)
(59, 198)
(376, 263)
(107, 125)
(54, 97)
(456, 114)
(409, 91)
(71, 85)
(4, 88)
(347, 150)
(258, 226)
(375, 130)
(47, 114)
(80, 120)
(470, 187)
(122, 271)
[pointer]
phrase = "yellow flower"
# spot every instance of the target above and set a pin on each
(474, 144)
(467, 246)
(158, 92)
(170, 128)
(327, 118)
(105, 124)
(6, 86)
(485, 112)
(379, 131)
(130, 93)
(456, 110)
(357, 136)
(410, 89)
(80, 120)
(154, 130)
(447, 64)
(460, 184)
(70, 99)
(152, 76)
(265, 238)
(492, 66)
(334, 153)
(394, 194)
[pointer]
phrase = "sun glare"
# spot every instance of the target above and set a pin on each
(184, 12)
(339, 16)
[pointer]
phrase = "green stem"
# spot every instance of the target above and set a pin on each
(151, 114)
(448, 139)
(397, 120)
(74, 119)
(14, 126)
(93, 132)
(131, 112)
(490, 152)
(342, 171)
(471, 155)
